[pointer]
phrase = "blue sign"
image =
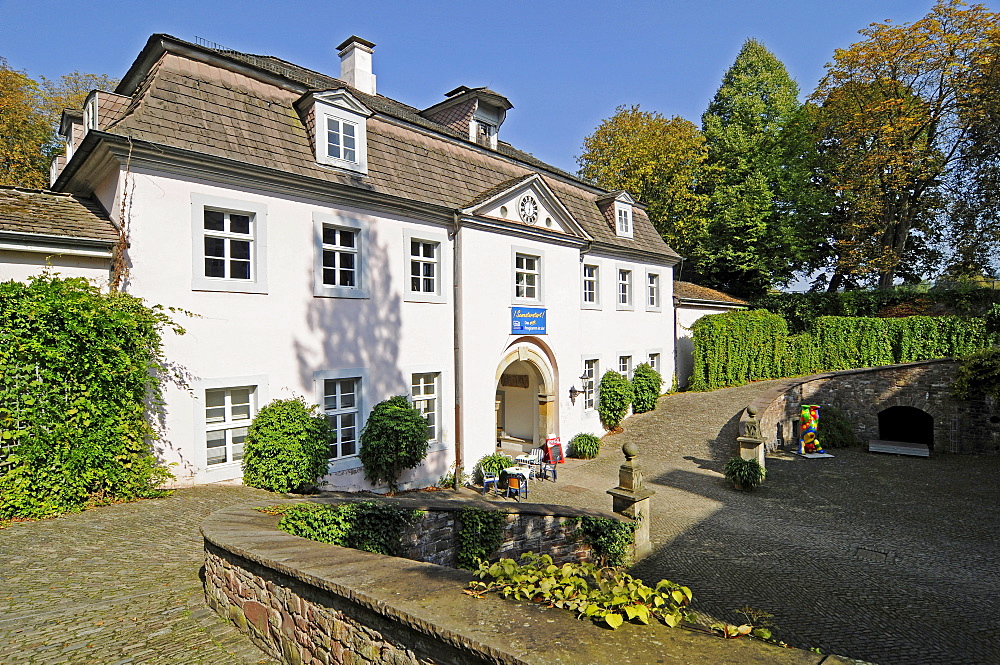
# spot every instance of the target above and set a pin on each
(527, 320)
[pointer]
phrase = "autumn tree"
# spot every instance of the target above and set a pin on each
(899, 111)
(69, 91)
(27, 142)
(765, 214)
(657, 160)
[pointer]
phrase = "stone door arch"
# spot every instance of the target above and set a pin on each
(526, 403)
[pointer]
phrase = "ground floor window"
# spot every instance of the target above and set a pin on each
(341, 406)
(625, 366)
(654, 361)
(424, 390)
(228, 412)
(590, 372)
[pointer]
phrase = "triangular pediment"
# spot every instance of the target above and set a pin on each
(527, 200)
(342, 99)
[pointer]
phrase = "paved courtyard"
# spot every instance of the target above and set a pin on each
(117, 585)
(888, 559)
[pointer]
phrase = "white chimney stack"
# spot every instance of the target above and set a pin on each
(356, 64)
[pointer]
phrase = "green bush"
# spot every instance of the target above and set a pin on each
(372, 526)
(835, 429)
(978, 375)
(646, 384)
(584, 446)
(80, 391)
(287, 447)
(747, 474)
(612, 540)
(737, 347)
(492, 463)
(614, 399)
(394, 439)
(479, 537)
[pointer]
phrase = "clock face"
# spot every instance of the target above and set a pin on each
(529, 209)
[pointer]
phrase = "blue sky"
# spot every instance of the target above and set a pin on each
(564, 65)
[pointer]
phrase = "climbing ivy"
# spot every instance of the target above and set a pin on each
(646, 383)
(978, 375)
(614, 399)
(737, 347)
(612, 540)
(372, 526)
(80, 391)
(479, 537)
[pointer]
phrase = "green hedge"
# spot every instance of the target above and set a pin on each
(739, 347)
(287, 447)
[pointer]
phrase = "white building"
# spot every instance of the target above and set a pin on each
(336, 244)
(691, 302)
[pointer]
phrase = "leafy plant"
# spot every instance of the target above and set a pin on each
(745, 474)
(448, 479)
(737, 347)
(646, 383)
(612, 540)
(287, 447)
(602, 594)
(81, 373)
(614, 399)
(372, 526)
(584, 446)
(480, 535)
(394, 439)
(835, 429)
(492, 463)
(978, 374)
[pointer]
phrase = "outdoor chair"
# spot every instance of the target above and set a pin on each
(533, 460)
(490, 478)
(545, 469)
(517, 487)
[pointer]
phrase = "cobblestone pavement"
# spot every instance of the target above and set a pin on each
(116, 585)
(889, 559)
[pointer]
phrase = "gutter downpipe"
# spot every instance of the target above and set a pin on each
(456, 282)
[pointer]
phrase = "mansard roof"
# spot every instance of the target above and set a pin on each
(689, 291)
(242, 107)
(41, 212)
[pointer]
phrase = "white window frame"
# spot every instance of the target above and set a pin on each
(228, 424)
(624, 220)
(630, 285)
(433, 443)
(589, 388)
(659, 357)
(361, 402)
(539, 272)
(227, 470)
(258, 245)
(442, 285)
(629, 365)
(658, 305)
(346, 223)
(596, 278)
(334, 107)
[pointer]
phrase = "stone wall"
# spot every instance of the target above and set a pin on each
(960, 426)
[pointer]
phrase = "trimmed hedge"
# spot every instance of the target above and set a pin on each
(614, 399)
(737, 347)
(287, 447)
(646, 383)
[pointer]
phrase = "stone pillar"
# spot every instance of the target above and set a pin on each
(546, 416)
(751, 443)
(631, 499)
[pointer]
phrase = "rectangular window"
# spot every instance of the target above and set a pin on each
(590, 284)
(527, 277)
(341, 140)
(590, 372)
(228, 412)
(652, 290)
(654, 361)
(228, 244)
(484, 133)
(624, 287)
(424, 389)
(341, 406)
(625, 366)
(624, 222)
(423, 266)
(340, 257)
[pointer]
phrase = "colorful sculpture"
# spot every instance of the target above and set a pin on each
(808, 441)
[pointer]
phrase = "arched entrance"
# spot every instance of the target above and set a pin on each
(525, 403)
(906, 423)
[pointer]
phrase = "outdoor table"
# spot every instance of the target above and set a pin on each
(522, 471)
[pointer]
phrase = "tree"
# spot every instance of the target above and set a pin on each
(27, 141)
(765, 214)
(898, 111)
(657, 160)
(394, 439)
(69, 92)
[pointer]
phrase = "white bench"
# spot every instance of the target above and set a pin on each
(899, 448)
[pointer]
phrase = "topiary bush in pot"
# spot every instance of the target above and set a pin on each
(584, 446)
(287, 447)
(646, 383)
(614, 399)
(394, 439)
(744, 474)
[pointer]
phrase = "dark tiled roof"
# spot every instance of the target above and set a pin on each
(50, 213)
(497, 189)
(695, 292)
(204, 107)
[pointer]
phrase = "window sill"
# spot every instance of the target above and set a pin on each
(227, 285)
(339, 292)
(432, 298)
(625, 308)
(591, 305)
(343, 464)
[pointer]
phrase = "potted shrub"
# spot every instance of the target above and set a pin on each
(584, 446)
(744, 474)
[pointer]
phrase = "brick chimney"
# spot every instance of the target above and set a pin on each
(356, 64)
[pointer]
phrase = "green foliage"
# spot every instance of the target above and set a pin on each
(614, 399)
(835, 429)
(448, 479)
(612, 540)
(609, 596)
(479, 537)
(492, 463)
(287, 447)
(27, 142)
(394, 439)
(80, 388)
(584, 446)
(737, 347)
(372, 526)
(978, 375)
(746, 474)
(646, 383)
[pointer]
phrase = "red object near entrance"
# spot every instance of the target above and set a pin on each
(554, 451)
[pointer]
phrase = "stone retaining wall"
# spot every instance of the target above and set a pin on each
(960, 426)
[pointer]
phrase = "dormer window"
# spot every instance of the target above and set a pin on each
(485, 133)
(623, 212)
(341, 140)
(341, 128)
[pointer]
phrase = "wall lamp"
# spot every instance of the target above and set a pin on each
(574, 393)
